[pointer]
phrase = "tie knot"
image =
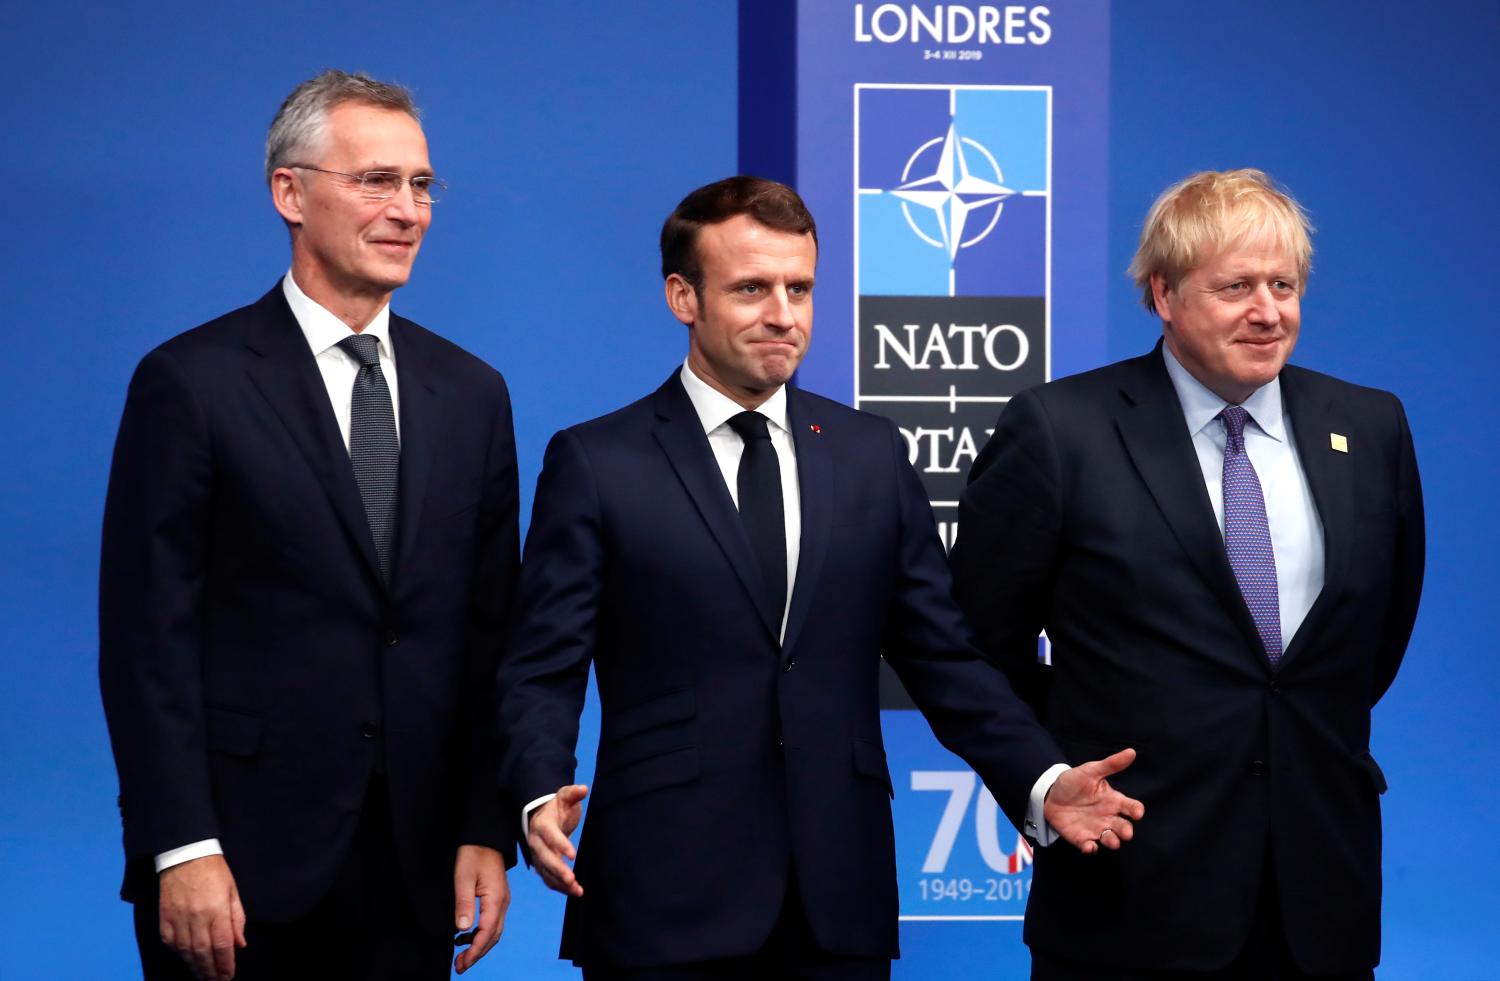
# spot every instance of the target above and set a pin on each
(1235, 417)
(362, 348)
(750, 425)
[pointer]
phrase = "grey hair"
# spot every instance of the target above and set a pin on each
(300, 122)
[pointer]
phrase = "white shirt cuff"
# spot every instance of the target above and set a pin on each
(526, 814)
(198, 849)
(1037, 827)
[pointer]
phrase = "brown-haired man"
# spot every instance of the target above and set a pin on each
(733, 556)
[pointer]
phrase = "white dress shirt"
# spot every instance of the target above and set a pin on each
(323, 331)
(715, 409)
(1296, 530)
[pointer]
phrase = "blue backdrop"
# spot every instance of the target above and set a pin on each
(137, 208)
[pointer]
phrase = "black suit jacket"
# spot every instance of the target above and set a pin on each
(254, 668)
(1087, 515)
(726, 759)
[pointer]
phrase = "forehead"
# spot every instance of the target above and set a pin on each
(1261, 252)
(742, 244)
(365, 135)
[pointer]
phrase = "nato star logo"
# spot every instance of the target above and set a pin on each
(951, 191)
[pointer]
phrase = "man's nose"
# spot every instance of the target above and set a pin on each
(779, 309)
(1263, 306)
(402, 206)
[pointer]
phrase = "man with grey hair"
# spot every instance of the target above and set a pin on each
(309, 544)
(1226, 552)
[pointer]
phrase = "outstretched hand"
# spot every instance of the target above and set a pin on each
(547, 834)
(1083, 808)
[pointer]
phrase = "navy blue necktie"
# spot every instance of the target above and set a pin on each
(373, 446)
(761, 508)
(1247, 534)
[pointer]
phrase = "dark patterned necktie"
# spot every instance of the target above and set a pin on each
(373, 446)
(1247, 535)
(759, 485)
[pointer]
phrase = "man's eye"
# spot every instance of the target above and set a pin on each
(381, 183)
(750, 289)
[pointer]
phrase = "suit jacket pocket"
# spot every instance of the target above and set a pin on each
(234, 733)
(869, 760)
(1372, 770)
(667, 769)
(674, 706)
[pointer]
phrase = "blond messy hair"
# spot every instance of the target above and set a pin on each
(1214, 211)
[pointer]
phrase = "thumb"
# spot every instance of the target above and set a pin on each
(572, 794)
(1110, 765)
(463, 906)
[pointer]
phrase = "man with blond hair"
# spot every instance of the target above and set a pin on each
(1226, 552)
(309, 544)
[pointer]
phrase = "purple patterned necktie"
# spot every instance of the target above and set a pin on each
(1247, 536)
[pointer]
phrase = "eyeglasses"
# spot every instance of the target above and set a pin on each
(381, 184)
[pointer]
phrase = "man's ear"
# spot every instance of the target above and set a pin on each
(682, 299)
(286, 194)
(1161, 296)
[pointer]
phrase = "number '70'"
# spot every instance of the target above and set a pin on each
(960, 787)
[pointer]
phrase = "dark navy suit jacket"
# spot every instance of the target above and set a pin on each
(1087, 515)
(254, 668)
(728, 760)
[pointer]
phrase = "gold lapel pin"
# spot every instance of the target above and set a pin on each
(1339, 442)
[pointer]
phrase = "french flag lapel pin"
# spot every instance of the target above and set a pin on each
(815, 428)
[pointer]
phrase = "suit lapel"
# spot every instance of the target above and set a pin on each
(815, 483)
(287, 376)
(1155, 435)
(681, 437)
(419, 410)
(1330, 478)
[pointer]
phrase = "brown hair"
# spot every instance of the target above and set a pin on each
(768, 202)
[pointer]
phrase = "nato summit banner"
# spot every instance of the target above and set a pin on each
(955, 157)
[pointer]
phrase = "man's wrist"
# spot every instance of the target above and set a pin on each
(186, 853)
(1036, 827)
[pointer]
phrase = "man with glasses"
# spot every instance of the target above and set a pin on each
(309, 544)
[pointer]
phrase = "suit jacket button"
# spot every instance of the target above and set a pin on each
(1257, 768)
(390, 638)
(790, 664)
(369, 730)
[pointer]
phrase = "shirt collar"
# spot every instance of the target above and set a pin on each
(323, 330)
(1201, 406)
(714, 408)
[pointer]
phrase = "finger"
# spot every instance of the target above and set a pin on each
(221, 945)
(484, 937)
(1108, 839)
(200, 952)
(1131, 808)
(1110, 765)
(572, 794)
(553, 837)
(237, 921)
(556, 873)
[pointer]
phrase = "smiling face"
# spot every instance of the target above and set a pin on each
(749, 326)
(350, 251)
(1232, 321)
